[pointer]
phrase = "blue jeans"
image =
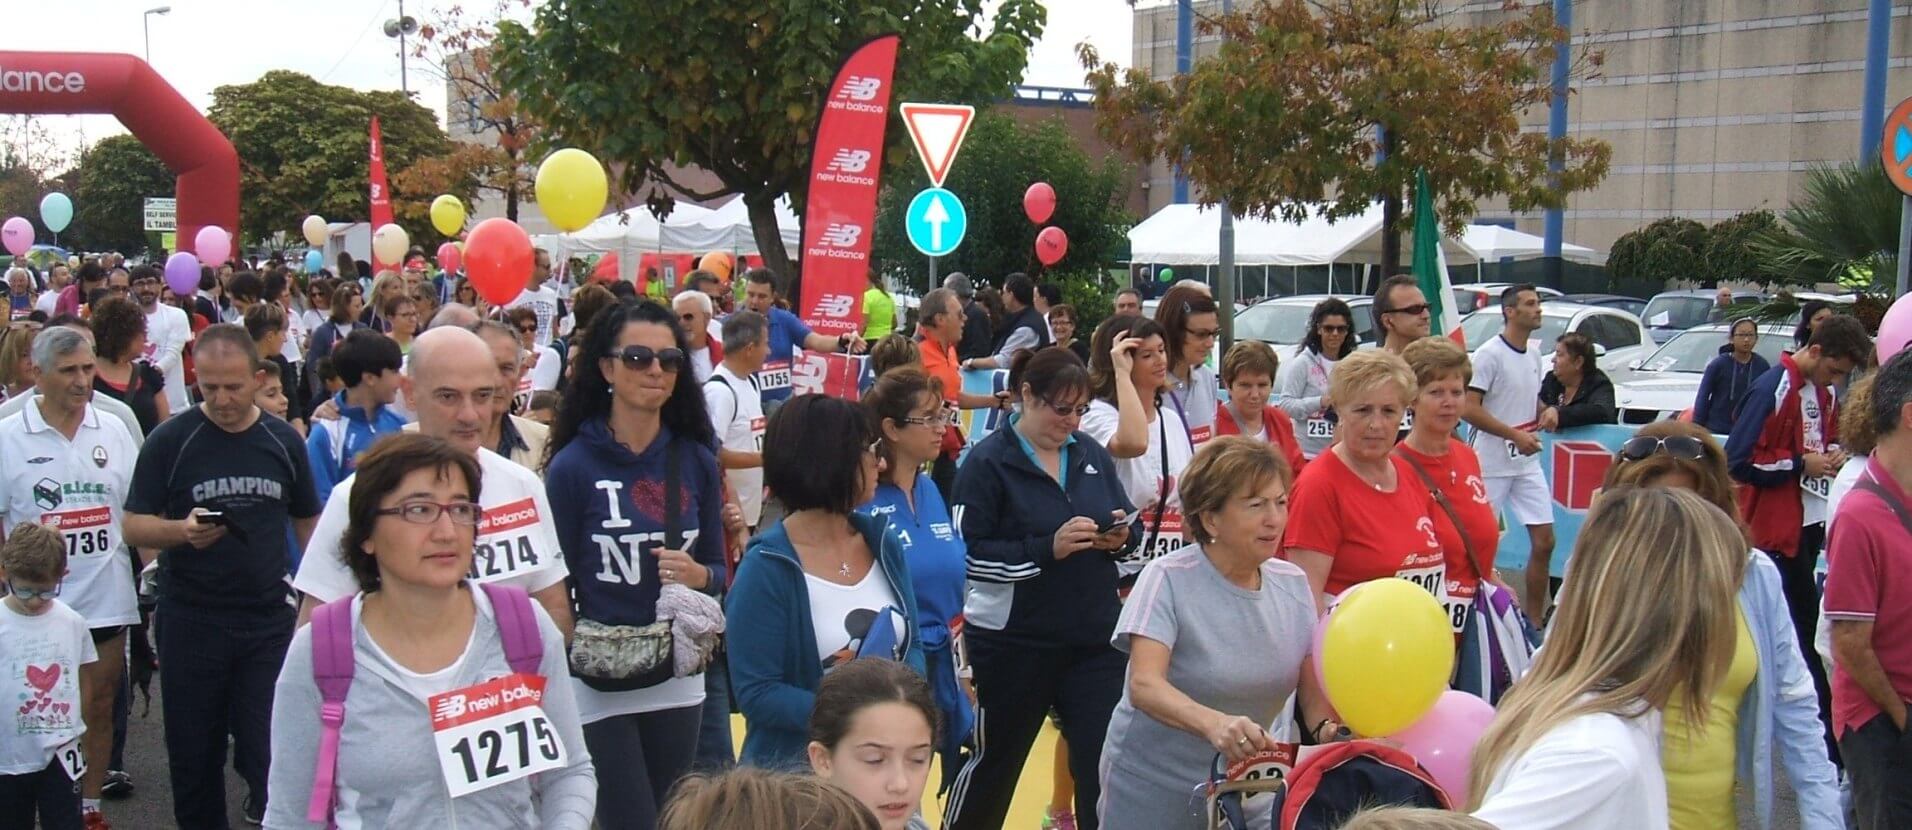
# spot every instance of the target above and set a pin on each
(715, 753)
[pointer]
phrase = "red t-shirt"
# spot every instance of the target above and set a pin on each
(1457, 474)
(1369, 533)
(1868, 560)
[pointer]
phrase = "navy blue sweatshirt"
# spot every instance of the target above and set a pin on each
(1009, 510)
(608, 504)
(1722, 386)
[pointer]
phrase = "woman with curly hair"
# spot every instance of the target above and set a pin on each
(119, 338)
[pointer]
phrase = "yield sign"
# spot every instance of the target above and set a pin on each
(937, 130)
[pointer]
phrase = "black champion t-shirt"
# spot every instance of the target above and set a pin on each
(259, 478)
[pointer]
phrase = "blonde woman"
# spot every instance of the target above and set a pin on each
(1766, 701)
(1645, 619)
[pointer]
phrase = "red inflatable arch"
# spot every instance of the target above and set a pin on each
(72, 83)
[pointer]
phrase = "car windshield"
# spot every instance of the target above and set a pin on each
(1690, 351)
(1283, 323)
(1483, 325)
(1679, 312)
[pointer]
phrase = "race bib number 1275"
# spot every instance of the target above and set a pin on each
(494, 733)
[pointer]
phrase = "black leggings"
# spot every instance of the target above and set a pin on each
(638, 758)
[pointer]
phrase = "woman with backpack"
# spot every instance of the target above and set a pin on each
(1645, 620)
(407, 661)
(634, 491)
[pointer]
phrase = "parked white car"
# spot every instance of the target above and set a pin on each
(1665, 383)
(1618, 337)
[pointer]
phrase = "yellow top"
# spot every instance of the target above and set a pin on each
(1699, 770)
(879, 314)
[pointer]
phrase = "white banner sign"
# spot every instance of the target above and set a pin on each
(159, 214)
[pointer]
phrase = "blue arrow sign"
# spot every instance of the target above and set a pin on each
(936, 221)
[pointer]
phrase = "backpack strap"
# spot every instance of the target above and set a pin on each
(517, 626)
(332, 668)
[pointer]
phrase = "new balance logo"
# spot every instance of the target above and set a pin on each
(860, 88)
(835, 305)
(849, 161)
(450, 707)
(842, 235)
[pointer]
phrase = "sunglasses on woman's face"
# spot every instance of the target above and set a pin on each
(640, 358)
(1063, 411)
(1684, 447)
(1333, 329)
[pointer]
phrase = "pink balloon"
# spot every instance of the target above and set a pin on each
(1051, 245)
(448, 257)
(1895, 330)
(17, 233)
(212, 244)
(1039, 202)
(1443, 739)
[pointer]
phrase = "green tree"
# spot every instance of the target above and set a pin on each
(734, 88)
(456, 47)
(1843, 228)
(1729, 253)
(115, 177)
(1283, 121)
(1000, 158)
(1673, 248)
(303, 149)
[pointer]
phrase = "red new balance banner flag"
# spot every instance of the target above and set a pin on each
(381, 198)
(840, 217)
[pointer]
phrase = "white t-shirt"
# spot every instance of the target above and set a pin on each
(1509, 382)
(736, 413)
(1142, 480)
(1595, 771)
(544, 301)
(309, 321)
(843, 616)
(40, 659)
(700, 364)
(1812, 424)
(79, 488)
(549, 372)
(167, 333)
(49, 300)
(517, 542)
(1842, 485)
(293, 349)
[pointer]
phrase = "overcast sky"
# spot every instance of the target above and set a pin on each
(203, 44)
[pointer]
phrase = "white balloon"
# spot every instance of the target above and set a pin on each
(315, 231)
(389, 244)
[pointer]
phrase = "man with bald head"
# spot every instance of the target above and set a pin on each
(454, 314)
(451, 383)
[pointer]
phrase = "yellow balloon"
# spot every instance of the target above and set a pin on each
(315, 230)
(448, 215)
(571, 189)
(1387, 655)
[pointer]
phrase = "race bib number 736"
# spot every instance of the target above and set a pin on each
(493, 733)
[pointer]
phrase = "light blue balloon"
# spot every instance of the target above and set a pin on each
(56, 212)
(314, 261)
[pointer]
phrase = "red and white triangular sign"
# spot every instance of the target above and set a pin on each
(937, 130)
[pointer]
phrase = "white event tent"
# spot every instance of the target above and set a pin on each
(690, 228)
(1188, 234)
(1494, 243)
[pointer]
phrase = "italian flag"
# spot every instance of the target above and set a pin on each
(1430, 264)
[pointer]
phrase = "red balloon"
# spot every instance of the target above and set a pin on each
(448, 257)
(1051, 245)
(1039, 202)
(498, 260)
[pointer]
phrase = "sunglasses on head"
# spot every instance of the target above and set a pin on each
(1684, 447)
(641, 358)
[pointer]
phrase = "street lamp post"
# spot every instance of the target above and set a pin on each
(145, 25)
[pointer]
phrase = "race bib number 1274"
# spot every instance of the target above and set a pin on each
(494, 733)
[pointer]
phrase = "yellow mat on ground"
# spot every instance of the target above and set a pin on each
(1032, 790)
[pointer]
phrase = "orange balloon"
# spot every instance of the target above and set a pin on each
(717, 262)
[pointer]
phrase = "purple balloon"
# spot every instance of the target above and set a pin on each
(1443, 739)
(182, 273)
(212, 244)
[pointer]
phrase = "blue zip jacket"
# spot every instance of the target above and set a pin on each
(333, 447)
(1722, 385)
(1781, 710)
(773, 645)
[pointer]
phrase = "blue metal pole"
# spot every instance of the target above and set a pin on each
(1184, 59)
(1557, 127)
(1872, 106)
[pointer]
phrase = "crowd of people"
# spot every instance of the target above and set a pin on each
(412, 559)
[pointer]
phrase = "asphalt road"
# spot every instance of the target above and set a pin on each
(151, 805)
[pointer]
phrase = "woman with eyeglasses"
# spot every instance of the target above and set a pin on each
(1302, 389)
(1147, 438)
(1728, 377)
(820, 588)
(1062, 323)
(420, 635)
(907, 407)
(1187, 315)
(1575, 393)
(1765, 701)
(635, 494)
(1044, 523)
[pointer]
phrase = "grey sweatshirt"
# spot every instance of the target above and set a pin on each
(388, 772)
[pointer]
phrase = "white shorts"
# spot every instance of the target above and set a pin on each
(1525, 499)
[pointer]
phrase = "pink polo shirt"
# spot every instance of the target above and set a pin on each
(1869, 579)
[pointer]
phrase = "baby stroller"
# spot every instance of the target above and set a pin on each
(1319, 789)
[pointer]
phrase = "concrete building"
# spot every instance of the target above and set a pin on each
(1713, 107)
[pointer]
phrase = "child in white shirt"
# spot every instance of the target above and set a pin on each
(43, 643)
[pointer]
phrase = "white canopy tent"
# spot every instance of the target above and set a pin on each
(733, 222)
(1494, 243)
(629, 234)
(1188, 234)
